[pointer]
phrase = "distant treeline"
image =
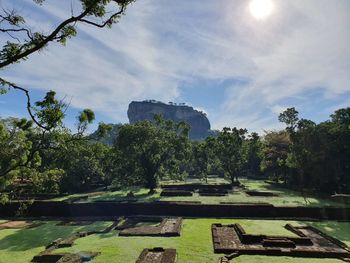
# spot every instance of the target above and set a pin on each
(51, 159)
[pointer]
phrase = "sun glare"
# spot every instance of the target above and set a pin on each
(261, 9)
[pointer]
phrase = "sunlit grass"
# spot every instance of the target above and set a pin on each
(21, 245)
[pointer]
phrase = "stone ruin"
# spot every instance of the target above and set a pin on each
(310, 242)
(261, 193)
(157, 255)
(19, 225)
(176, 192)
(213, 192)
(65, 257)
(202, 189)
(165, 227)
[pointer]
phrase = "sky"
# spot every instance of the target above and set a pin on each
(213, 55)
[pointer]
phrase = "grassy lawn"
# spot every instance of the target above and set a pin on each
(285, 197)
(194, 244)
(20, 245)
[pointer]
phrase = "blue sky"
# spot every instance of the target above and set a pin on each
(213, 55)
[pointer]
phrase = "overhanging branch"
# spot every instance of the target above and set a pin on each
(57, 34)
(29, 105)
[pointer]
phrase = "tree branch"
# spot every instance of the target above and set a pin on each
(106, 22)
(37, 45)
(29, 105)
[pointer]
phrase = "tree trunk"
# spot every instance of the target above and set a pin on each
(232, 177)
(151, 182)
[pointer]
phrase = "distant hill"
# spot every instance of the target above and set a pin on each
(145, 110)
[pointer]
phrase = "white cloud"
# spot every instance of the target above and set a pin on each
(277, 109)
(160, 44)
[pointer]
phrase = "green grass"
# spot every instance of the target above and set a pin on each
(285, 197)
(20, 245)
(193, 246)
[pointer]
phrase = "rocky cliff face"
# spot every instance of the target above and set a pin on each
(145, 110)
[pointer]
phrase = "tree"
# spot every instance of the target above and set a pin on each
(20, 161)
(290, 118)
(21, 41)
(275, 153)
(341, 116)
(149, 150)
(23, 147)
(200, 159)
(252, 154)
(229, 151)
(319, 153)
(84, 164)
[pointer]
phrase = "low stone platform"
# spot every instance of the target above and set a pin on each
(167, 227)
(246, 204)
(176, 192)
(65, 242)
(197, 186)
(310, 243)
(75, 223)
(18, 225)
(213, 192)
(261, 193)
(157, 255)
(65, 257)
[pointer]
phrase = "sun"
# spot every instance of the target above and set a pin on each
(261, 9)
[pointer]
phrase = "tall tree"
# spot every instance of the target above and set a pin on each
(290, 118)
(229, 151)
(252, 154)
(275, 152)
(149, 148)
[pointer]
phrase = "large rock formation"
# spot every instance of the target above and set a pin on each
(145, 110)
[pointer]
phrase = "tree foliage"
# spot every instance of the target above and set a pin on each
(229, 150)
(319, 154)
(151, 150)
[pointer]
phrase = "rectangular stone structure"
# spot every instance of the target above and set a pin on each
(261, 193)
(157, 255)
(310, 242)
(168, 227)
(176, 192)
(213, 192)
(64, 257)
